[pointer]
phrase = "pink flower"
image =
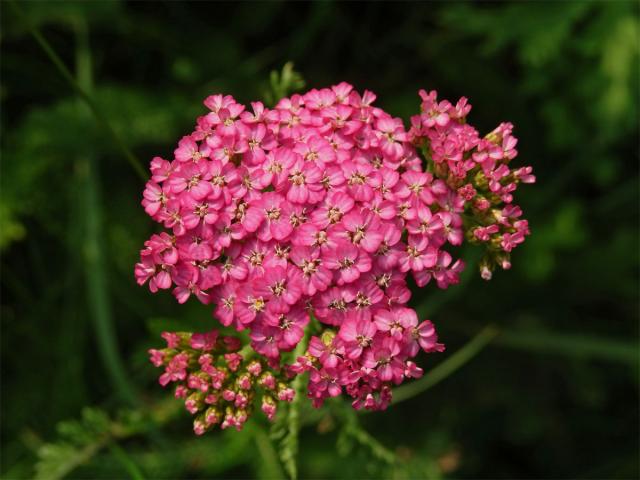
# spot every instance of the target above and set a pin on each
(316, 150)
(175, 370)
(315, 276)
(336, 205)
(363, 229)
(384, 358)
(257, 142)
(484, 233)
(510, 241)
(302, 184)
(434, 113)
(327, 380)
(359, 180)
(357, 335)
(426, 336)
(321, 206)
(269, 217)
(186, 280)
(291, 324)
(280, 287)
(332, 305)
(188, 150)
(396, 321)
(156, 357)
(392, 135)
(349, 262)
(418, 255)
(265, 340)
(415, 186)
(248, 305)
(158, 275)
(327, 354)
(155, 197)
(191, 177)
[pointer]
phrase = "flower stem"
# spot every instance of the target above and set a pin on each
(95, 268)
(129, 465)
(449, 366)
(270, 467)
(81, 92)
(290, 441)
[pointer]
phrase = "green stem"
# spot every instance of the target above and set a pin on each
(353, 428)
(574, 345)
(270, 467)
(435, 302)
(448, 367)
(124, 459)
(81, 92)
(290, 441)
(97, 286)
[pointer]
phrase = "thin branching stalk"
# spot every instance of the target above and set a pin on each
(97, 286)
(129, 465)
(448, 367)
(270, 467)
(81, 91)
(289, 450)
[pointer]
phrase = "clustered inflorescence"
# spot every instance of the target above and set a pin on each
(218, 382)
(309, 218)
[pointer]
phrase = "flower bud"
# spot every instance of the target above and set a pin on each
(285, 393)
(485, 271)
(233, 361)
(268, 406)
(194, 402)
(254, 368)
(327, 337)
(267, 380)
(229, 395)
(156, 357)
(244, 382)
(212, 415)
(199, 427)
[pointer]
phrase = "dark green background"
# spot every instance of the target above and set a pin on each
(555, 395)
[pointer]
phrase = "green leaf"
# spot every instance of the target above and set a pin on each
(574, 345)
(283, 84)
(79, 441)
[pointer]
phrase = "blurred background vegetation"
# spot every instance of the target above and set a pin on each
(554, 394)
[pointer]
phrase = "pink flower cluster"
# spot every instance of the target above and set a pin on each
(476, 170)
(217, 382)
(321, 207)
(367, 355)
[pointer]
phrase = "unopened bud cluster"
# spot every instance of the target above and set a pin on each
(218, 383)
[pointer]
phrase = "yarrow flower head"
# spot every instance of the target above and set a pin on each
(305, 221)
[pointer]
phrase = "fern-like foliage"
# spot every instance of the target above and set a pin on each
(79, 440)
(352, 434)
(283, 83)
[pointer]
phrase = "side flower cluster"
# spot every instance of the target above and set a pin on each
(322, 207)
(477, 170)
(219, 384)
